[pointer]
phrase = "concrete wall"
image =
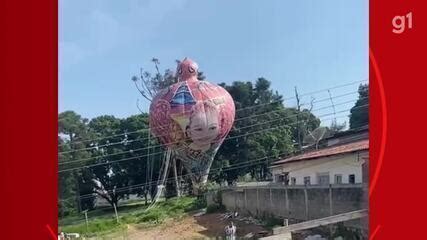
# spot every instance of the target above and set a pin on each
(295, 202)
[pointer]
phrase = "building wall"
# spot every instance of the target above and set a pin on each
(342, 164)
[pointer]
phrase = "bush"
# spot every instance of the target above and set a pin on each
(94, 226)
(154, 216)
(172, 208)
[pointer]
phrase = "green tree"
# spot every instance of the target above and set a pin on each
(110, 177)
(145, 170)
(72, 139)
(149, 83)
(264, 128)
(67, 203)
(359, 113)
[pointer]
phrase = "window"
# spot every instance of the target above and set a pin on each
(279, 178)
(323, 178)
(293, 181)
(351, 179)
(338, 179)
(307, 180)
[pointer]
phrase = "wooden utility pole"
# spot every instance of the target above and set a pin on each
(115, 211)
(87, 222)
(76, 176)
(75, 173)
(298, 113)
(175, 173)
(147, 172)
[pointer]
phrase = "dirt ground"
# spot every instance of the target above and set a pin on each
(207, 226)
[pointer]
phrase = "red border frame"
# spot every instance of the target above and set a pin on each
(28, 97)
(396, 134)
(28, 122)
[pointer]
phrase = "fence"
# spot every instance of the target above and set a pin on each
(298, 203)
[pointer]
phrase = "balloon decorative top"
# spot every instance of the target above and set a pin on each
(187, 70)
(192, 118)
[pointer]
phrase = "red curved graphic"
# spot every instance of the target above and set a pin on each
(52, 234)
(384, 121)
(374, 233)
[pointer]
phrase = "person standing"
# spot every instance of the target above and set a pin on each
(230, 231)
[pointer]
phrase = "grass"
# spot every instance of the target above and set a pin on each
(104, 222)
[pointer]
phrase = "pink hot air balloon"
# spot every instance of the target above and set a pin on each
(192, 118)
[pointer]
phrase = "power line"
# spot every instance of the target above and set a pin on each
(136, 157)
(130, 141)
(231, 167)
(227, 168)
(305, 94)
(238, 110)
(327, 99)
(160, 145)
(68, 162)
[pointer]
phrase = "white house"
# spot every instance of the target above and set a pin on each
(338, 164)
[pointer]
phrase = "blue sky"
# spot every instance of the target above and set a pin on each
(310, 44)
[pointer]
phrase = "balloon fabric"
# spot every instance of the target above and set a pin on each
(192, 118)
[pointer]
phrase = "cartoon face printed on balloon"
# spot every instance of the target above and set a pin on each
(187, 70)
(204, 125)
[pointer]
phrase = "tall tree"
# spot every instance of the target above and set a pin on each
(67, 203)
(73, 135)
(359, 113)
(149, 83)
(145, 169)
(264, 129)
(110, 177)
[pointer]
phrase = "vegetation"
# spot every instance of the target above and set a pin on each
(100, 143)
(359, 114)
(284, 125)
(105, 223)
(123, 158)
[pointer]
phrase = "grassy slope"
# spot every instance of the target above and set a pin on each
(102, 222)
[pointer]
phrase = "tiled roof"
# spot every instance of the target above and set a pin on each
(326, 152)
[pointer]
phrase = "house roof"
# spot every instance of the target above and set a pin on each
(326, 152)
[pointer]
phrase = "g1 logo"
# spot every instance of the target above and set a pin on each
(399, 23)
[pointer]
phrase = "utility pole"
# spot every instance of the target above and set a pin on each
(87, 222)
(333, 106)
(175, 173)
(76, 175)
(147, 172)
(115, 211)
(298, 113)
